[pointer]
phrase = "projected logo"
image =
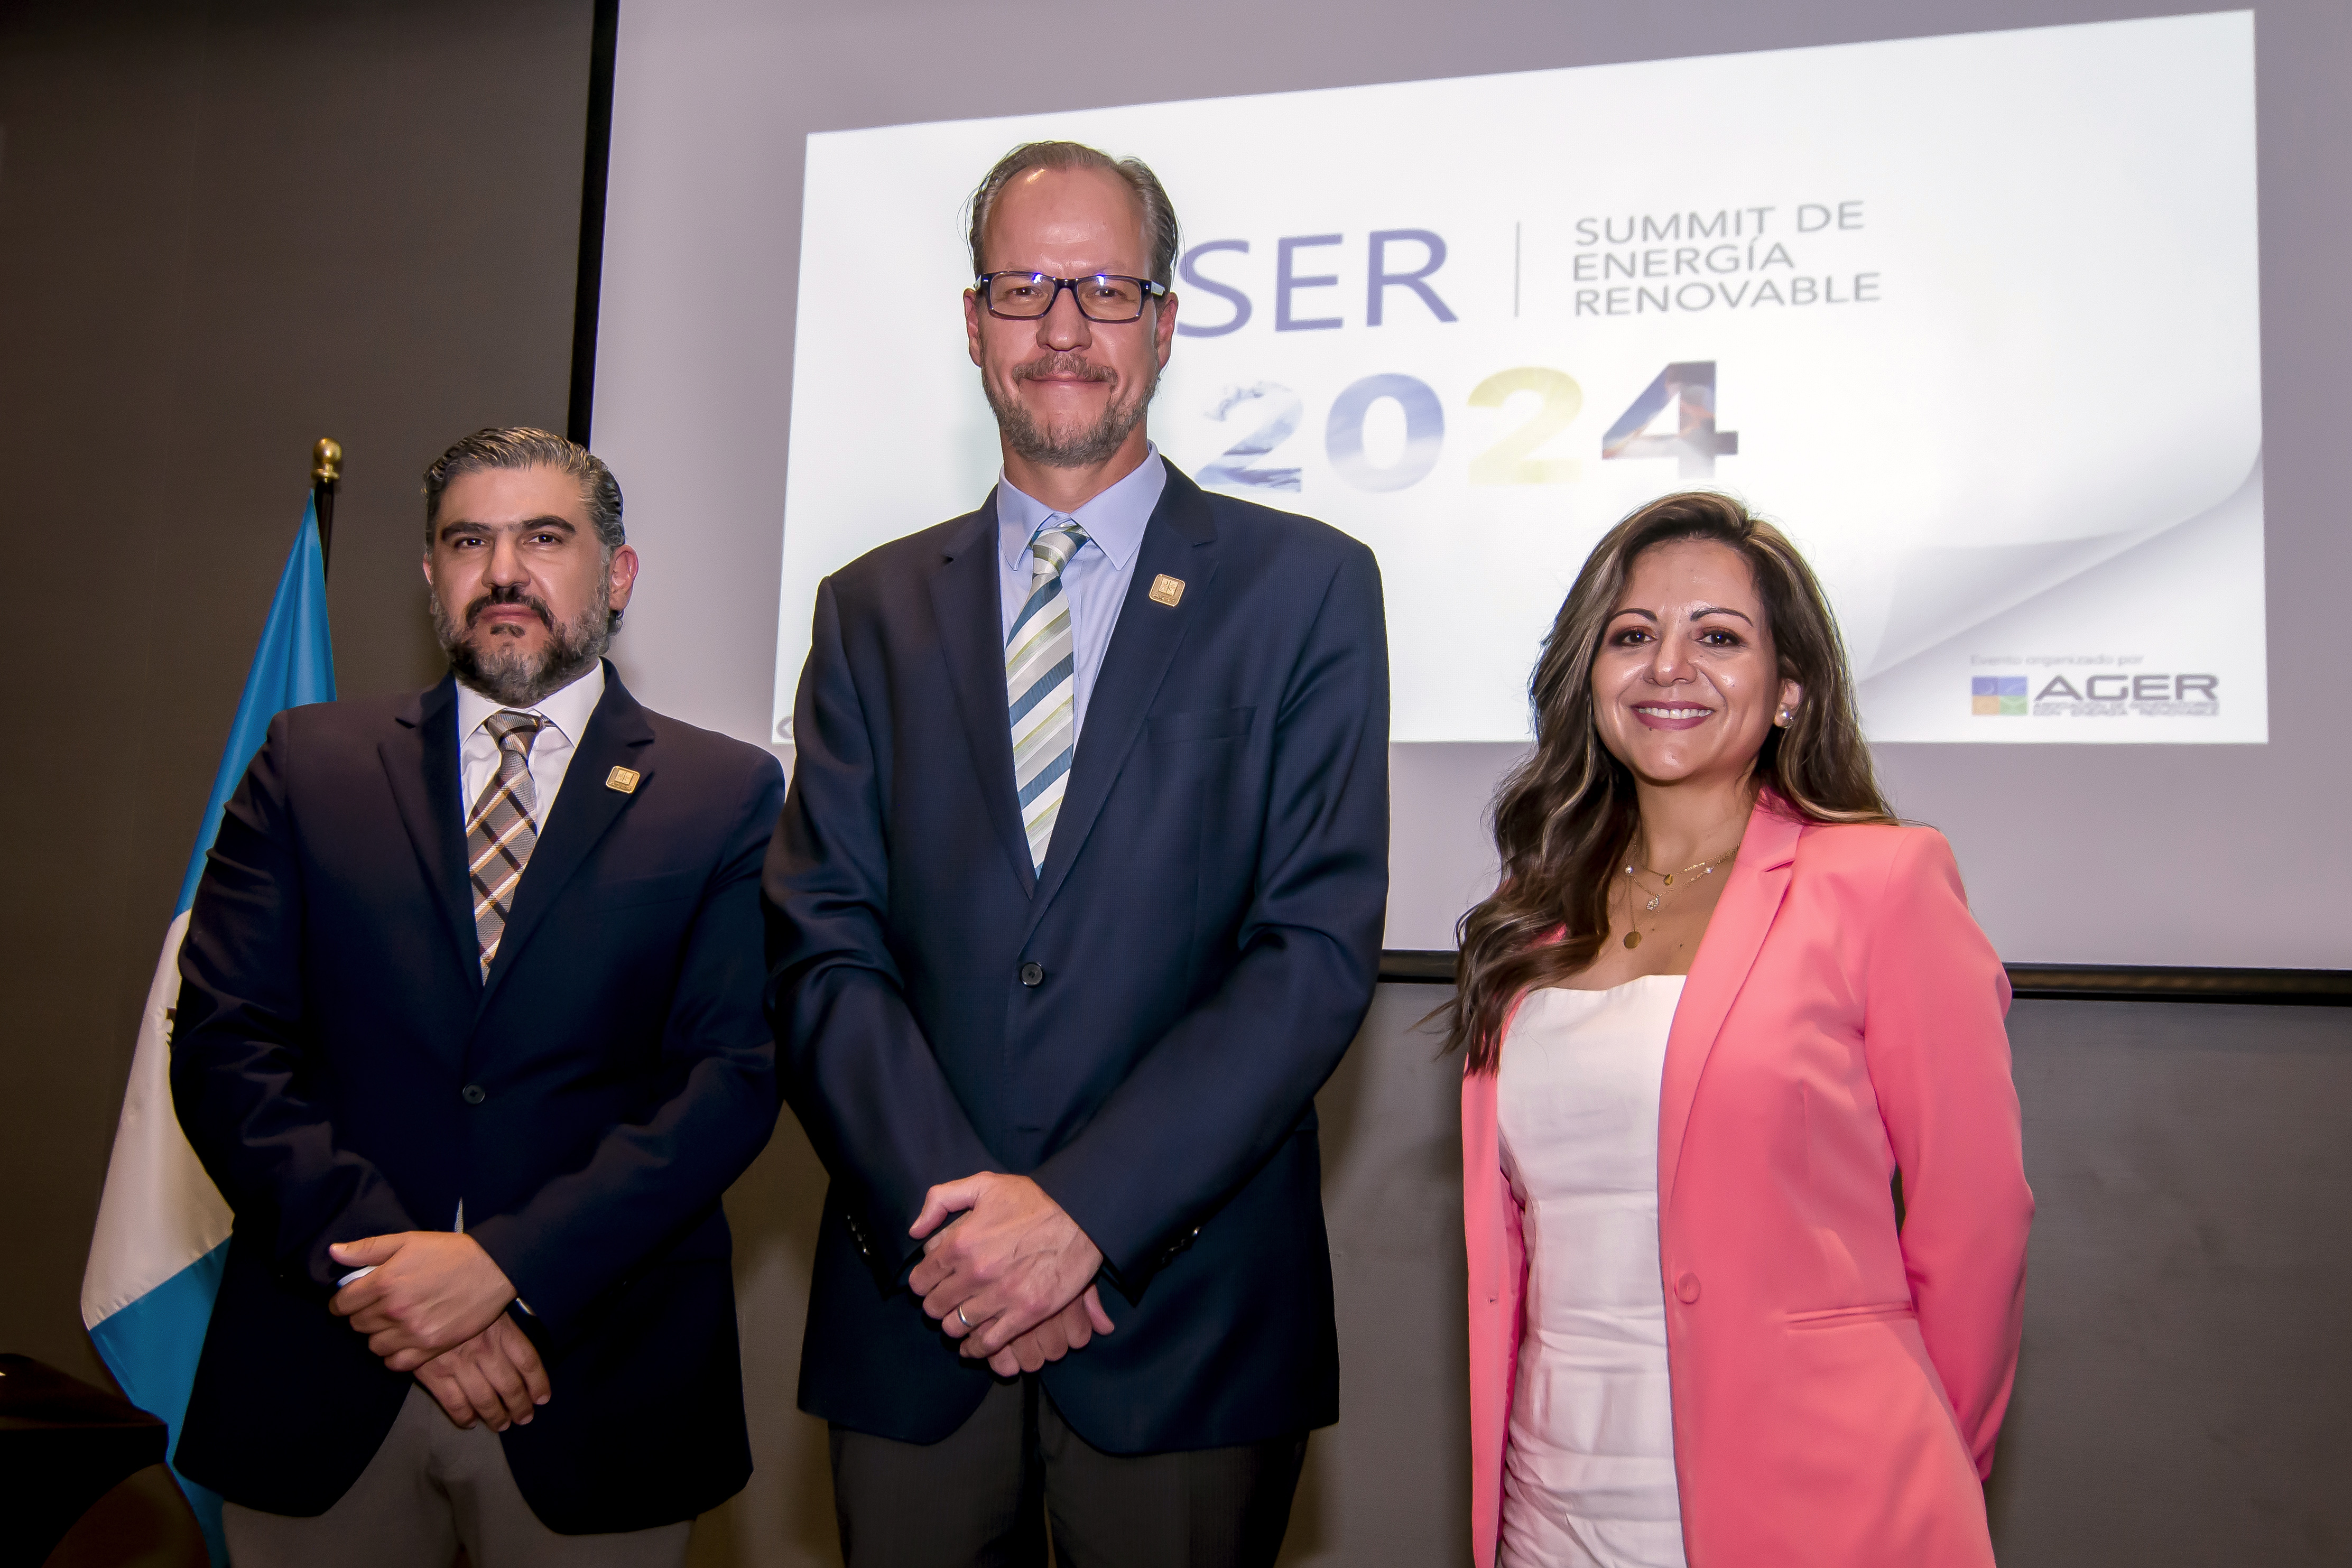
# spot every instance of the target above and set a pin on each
(1997, 695)
(2106, 693)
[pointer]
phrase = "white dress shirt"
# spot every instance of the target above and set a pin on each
(566, 713)
(1095, 582)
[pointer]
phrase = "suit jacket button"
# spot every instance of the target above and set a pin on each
(1033, 974)
(472, 1095)
(1687, 1287)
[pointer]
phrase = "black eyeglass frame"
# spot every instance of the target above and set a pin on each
(1150, 291)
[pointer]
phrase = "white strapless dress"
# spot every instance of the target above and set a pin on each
(1589, 1472)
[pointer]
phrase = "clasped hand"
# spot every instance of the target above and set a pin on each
(1013, 1278)
(495, 1377)
(434, 1303)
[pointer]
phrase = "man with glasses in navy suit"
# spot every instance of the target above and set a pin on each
(1075, 903)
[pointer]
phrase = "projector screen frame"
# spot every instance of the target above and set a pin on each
(595, 187)
(2059, 982)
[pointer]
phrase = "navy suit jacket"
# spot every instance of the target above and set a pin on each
(1142, 1026)
(344, 1070)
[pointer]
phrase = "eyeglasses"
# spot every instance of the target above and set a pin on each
(1105, 297)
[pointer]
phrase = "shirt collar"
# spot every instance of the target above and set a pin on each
(1114, 520)
(568, 709)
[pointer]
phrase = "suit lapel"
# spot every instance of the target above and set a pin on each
(420, 762)
(1759, 879)
(967, 597)
(1180, 541)
(618, 736)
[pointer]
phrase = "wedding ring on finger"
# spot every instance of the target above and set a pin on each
(968, 1324)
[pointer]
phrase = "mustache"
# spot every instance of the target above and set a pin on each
(1064, 366)
(509, 593)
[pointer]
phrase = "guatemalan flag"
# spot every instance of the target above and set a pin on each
(163, 1227)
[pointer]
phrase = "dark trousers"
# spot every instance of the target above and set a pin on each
(988, 1496)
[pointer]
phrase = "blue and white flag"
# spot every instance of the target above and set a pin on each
(163, 1227)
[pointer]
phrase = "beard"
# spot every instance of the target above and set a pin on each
(509, 675)
(1083, 448)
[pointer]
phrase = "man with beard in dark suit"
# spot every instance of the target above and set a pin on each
(469, 1038)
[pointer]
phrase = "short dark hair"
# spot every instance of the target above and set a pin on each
(1160, 233)
(522, 446)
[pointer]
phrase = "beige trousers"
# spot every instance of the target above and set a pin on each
(432, 1487)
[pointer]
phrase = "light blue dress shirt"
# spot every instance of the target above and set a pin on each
(1097, 577)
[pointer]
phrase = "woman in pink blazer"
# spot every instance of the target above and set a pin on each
(1801, 1353)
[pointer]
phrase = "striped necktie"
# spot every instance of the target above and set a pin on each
(1041, 683)
(499, 835)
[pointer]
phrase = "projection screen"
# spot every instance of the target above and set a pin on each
(1975, 317)
(1474, 322)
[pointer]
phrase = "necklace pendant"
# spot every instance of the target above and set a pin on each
(1653, 904)
(1633, 939)
(1670, 879)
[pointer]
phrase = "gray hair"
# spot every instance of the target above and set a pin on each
(1159, 235)
(522, 446)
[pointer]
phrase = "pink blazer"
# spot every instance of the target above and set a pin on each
(1837, 1386)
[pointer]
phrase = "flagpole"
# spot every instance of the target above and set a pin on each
(326, 473)
(161, 1245)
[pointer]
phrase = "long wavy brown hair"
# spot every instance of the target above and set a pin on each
(1564, 816)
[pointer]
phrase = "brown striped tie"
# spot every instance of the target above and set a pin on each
(500, 833)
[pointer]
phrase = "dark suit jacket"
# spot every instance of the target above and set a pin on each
(344, 1070)
(1142, 1027)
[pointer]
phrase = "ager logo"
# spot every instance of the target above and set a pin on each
(2109, 693)
(2002, 695)
(2117, 688)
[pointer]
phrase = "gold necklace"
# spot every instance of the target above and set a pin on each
(1633, 889)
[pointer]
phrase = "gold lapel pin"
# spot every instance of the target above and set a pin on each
(625, 779)
(1166, 589)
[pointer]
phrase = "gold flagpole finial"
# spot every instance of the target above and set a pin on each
(326, 478)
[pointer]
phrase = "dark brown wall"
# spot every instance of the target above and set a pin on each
(2181, 1396)
(226, 230)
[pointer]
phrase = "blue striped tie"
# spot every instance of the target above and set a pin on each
(1041, 685)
